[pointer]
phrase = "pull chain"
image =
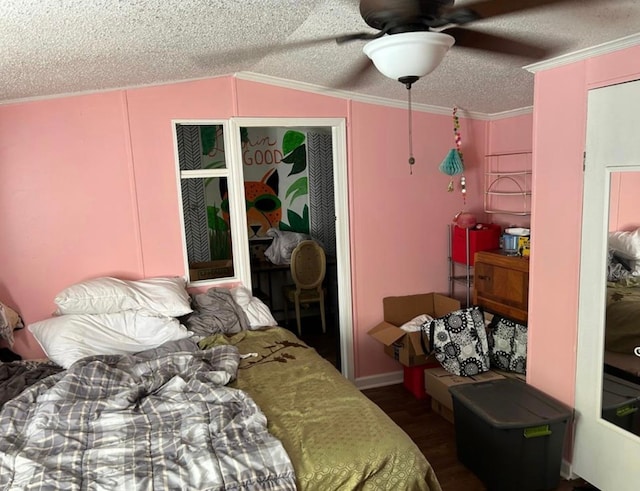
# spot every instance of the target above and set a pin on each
(408, 81)
(411, 159)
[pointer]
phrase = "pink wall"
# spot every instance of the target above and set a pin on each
(399, 221)
(88, 188)
(60, 162)
(624, 201)
(510, 136)
(559, 138)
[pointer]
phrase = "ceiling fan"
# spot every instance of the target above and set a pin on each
(414, 35)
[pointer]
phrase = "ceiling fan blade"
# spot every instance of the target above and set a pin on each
(469, 38)
(253, 53)
(485, 9)
(355, 75)
(367, 36)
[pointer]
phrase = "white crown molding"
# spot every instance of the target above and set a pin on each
(105, 90)
(600, 49)
(510, 114)
(354, 96)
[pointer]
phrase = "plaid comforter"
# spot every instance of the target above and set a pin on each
(161, 419)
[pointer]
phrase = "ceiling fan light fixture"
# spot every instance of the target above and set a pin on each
(408, 53)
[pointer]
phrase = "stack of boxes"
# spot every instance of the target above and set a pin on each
(410, 348)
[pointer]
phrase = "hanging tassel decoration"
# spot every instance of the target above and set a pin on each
(453, 163)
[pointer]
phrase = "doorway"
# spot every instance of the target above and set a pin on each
(295, 178)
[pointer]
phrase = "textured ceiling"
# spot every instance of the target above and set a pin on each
(50, 47)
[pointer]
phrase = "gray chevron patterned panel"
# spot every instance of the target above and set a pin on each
(193, 197)
(321, 193)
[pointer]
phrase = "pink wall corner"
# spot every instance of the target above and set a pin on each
(559, 122)
(150, 112)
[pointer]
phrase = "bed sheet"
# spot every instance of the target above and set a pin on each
(159, 419)
(336, 438)
(623, 317)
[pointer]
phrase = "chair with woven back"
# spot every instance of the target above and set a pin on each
(308, 269)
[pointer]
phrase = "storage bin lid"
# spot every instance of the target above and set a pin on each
(618, 392)
(510, 403)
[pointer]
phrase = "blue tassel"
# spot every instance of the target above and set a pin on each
(452, 163)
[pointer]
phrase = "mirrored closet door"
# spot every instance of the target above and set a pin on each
(607, 445)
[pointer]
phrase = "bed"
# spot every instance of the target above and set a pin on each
(622, 323)
(245, 408)
(622, 333)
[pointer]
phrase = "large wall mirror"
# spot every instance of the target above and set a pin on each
(621, 377)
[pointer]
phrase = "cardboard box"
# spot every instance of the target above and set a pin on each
(520, 376)
(406, 347)
(437, 382)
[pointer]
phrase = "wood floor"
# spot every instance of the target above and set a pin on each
(435, 436)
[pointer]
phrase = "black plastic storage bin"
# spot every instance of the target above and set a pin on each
(620, 403)
(510, 434)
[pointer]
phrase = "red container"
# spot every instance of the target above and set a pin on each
(414, 381)
(485, 239)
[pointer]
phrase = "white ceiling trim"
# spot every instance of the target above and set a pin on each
(582, 54)
(354, 96)
(101, 91)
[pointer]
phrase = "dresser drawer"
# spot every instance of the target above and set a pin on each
(501, 284)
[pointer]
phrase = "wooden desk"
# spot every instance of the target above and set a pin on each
(266, 276)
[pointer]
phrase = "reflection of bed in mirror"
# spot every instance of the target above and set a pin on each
(622, 334)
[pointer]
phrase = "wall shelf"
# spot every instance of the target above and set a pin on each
(508, 192)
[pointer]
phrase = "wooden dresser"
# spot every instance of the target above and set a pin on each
(501, 284)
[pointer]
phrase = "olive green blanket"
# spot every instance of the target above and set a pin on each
(336, 438)
(622, 333)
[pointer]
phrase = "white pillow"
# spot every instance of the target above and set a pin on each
(67, 338)
(627, 244)
(416, 323)
(256, 311)
(160, 296)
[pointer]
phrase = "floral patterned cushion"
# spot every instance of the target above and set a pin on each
(9, 321)
(459, 341)
(507, 345)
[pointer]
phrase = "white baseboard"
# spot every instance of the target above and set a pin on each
(379, 380)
